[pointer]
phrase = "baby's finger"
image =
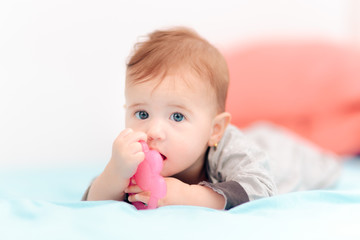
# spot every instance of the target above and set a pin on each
(137, 136)
(119, 140)
(125, 132)
(135, 147)
(140, 197)
(133, 189)
(139, 157)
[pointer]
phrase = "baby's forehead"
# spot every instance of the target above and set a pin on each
(184, 80)
(182, 86)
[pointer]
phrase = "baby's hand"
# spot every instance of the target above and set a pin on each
(127, 152)
(177, 192)
(175, 195)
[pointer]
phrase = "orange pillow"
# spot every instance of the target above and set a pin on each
(312, 88)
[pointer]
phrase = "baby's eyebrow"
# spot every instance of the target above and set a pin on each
(181, 107)
(135, 105)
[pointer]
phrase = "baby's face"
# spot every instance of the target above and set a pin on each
(177, 117)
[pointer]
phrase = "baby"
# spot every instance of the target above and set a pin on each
(175, 92)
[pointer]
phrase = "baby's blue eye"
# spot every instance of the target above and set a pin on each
(141, 115)
(177, 117)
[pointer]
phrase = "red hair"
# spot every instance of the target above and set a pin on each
(177, 49)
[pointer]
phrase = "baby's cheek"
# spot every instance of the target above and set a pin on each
(172, 167)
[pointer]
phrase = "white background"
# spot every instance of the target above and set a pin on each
(62, 62)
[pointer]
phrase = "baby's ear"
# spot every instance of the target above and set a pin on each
(220, 122)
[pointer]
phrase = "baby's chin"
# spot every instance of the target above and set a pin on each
(165, 171)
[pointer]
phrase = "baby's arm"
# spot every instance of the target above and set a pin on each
(205, 197)
(127, 154)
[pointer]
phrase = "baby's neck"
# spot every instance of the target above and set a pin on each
(192, 180)
(193, 175)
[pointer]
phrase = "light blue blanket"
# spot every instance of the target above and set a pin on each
(41, 204)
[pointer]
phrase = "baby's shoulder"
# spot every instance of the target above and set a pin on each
(232, 135)
(236, 143)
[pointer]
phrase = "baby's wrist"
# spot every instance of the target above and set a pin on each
(206, 197)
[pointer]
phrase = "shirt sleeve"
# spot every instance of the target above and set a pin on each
(239, 170)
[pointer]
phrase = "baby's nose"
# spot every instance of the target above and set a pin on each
(156, 131)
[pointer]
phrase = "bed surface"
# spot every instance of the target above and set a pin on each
(43, 203)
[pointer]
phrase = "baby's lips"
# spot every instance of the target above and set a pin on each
(163, 156)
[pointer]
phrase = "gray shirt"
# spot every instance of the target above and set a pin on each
(264, 160)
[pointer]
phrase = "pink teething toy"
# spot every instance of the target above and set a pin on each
(148, 177)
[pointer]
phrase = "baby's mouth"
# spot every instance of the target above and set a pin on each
(163, 157)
